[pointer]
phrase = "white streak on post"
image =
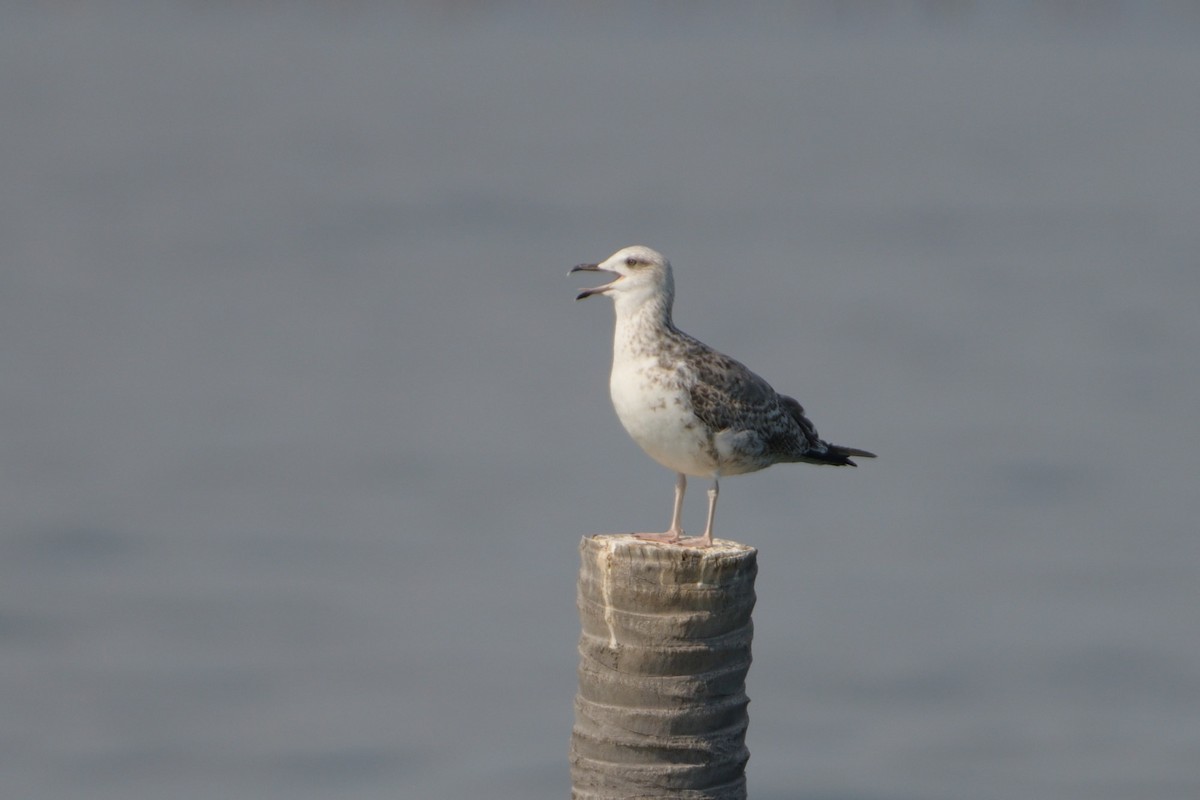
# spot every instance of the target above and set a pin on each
(605, 557)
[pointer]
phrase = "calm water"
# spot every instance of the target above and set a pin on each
(301, 427)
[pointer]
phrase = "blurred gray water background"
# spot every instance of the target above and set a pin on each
(301, 427)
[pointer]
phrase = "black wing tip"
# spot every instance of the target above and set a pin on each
(840, 456)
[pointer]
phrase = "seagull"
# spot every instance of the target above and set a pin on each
(692, 409)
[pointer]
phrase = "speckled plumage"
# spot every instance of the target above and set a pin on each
(691, 408)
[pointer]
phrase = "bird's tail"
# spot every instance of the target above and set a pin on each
(839, 456)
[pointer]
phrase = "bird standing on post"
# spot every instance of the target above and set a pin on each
(692, 409)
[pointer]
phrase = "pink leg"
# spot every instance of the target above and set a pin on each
(707, 539)
(675, 532)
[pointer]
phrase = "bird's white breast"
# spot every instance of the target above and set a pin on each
(653, 403)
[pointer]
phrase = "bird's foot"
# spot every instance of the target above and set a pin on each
(677, 538)
(669, 537)
(703, 542)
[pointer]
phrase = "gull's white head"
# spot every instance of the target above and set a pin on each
(642, 275)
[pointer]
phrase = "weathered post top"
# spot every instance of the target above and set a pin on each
(664, 652)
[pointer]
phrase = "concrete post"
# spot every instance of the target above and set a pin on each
(664, 652)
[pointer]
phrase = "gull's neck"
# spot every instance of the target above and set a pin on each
(641, 318)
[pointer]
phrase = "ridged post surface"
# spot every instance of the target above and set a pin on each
(663, 657)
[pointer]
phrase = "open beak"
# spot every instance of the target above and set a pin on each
(595, 289)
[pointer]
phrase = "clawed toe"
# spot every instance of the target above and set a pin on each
(676, 538)
(695, 541)
(669, 537)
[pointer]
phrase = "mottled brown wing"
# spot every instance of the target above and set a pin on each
(727, 396)
(809, 431)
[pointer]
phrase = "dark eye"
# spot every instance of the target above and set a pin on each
(631, 262)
